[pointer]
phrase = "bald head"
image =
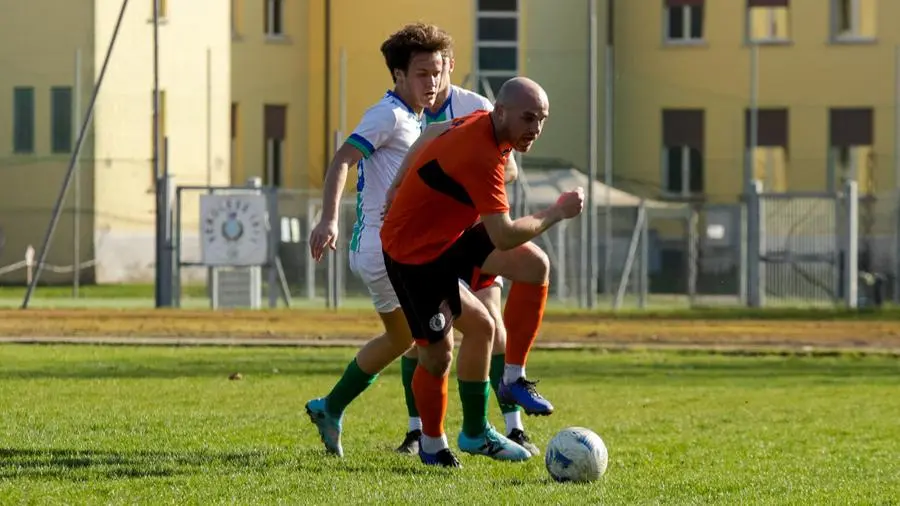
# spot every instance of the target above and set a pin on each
(520, 110)
(522, 92)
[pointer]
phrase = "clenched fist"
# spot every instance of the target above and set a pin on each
(571, 203)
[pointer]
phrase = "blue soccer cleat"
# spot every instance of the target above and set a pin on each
(443, 458)
(523, 393)
(494, 445)
(329, 426)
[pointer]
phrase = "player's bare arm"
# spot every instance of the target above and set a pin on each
(507, 234)
(326, 231)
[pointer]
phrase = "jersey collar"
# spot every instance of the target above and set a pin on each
(391, 93)
(444, 106)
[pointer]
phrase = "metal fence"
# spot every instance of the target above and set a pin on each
(778, 249)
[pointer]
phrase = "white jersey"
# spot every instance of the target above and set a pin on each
(384, 134)
(460, 103)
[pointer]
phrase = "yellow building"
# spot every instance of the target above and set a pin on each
(260, 88)
(826, 94)
(45, 106)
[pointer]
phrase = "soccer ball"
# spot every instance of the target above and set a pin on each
(576, 454)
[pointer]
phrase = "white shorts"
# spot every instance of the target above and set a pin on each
(369, 266)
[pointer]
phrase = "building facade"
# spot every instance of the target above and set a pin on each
(825, 87)
(264, 88)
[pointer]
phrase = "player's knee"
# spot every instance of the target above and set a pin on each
(499, 335)
(540, 263)
(437, 357)
(482, 327)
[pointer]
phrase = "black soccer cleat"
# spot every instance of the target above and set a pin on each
(443, 458)
(410, 444)
(519, 436)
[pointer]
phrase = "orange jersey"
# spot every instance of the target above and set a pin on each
(455, 178)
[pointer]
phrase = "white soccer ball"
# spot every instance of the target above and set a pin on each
(576, 454)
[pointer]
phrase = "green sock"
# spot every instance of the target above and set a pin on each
(497, 364)
(407, 369)
(474, 396)
(352, 383)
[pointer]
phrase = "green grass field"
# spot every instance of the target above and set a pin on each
(93, 424)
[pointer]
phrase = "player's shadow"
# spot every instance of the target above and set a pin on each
(80, 464)
(313, 460)
(182, 368)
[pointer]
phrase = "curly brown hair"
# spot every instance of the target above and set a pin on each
(400, 47)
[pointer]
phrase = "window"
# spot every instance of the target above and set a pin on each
(853, 19)
(23, 120)
(768, 20)
(274, 17)
(682, 152)
(497, 58)
(684, 171)
(768, 154)
(275, 119)
(684, 20)
(61, 126)
(498, 5)
(851, 155)
(497, 44)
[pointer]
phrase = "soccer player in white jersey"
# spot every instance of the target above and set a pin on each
(452, 102)
(415, 56)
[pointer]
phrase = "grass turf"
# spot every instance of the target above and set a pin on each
(165, 425)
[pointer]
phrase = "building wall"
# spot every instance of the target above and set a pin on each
(555, 51)
(807, 74)
(271, 70)
(198, 148)
(38, 51)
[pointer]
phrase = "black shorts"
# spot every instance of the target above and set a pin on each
(429, 293)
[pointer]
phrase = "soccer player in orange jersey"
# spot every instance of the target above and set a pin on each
(452, 177)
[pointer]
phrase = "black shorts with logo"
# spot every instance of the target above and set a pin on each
(429, 293)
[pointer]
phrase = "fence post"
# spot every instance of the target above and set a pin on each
(629, 258)
(754, 246)
(29, 263)
(310, 264)
(645, 258)
(851, 244)
(332, 300)
(896, 221)
(561, 288)
(693, 254)
(274, 242)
